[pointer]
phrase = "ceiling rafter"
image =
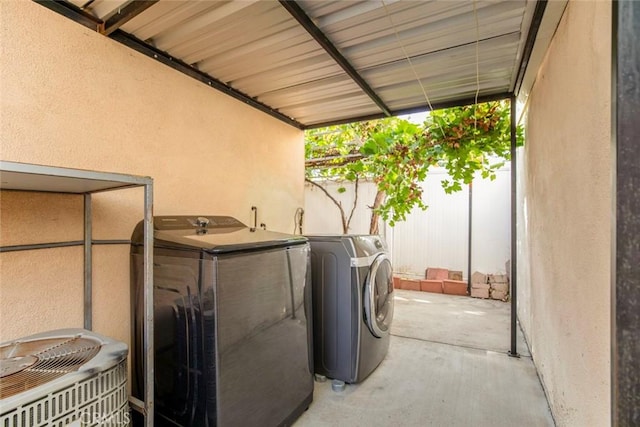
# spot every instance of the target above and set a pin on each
(538, 14)
(113, 24)
(436, 106)
(303, 19)
(124, 14)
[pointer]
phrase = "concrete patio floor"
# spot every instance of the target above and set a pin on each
(447, 366)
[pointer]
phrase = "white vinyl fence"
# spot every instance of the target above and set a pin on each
(437, 237)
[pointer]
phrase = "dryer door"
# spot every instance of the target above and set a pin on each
(378, 296)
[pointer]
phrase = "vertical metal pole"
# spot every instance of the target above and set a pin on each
(625, 266)
(470, 237)
(88, 263)
(513, 276)
(148, 306)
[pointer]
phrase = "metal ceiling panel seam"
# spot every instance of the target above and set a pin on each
(263, 42)
(162, 16)
(300, 15)
(212, 20)
(384, 50)
(312, 92)
(415, 21)
(99, 8)
(413, 17)
(438, 71)
(259, 53)
(492, 50)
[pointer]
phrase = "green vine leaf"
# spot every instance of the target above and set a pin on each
(467, 141)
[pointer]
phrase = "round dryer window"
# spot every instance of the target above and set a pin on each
(378, 296)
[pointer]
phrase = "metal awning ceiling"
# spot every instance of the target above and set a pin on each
(312, 63)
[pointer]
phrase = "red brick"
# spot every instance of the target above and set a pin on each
(410, 284)
(454, 287)
(434, 286)
(454, 275)
(396, 282)
(480, 293)
(436, 274)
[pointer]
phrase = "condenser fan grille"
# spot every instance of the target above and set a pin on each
(28, 364)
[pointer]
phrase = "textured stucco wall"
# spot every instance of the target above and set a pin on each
(71, 97)
(569, 193)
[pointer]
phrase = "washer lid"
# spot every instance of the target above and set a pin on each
(214, 234)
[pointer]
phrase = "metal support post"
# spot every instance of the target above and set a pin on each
(513, 276)
(625, 262)
(149, 353)
(470, 237)
(88, 263)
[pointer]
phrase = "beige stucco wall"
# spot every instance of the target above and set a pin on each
(71, 97)
(565, 302)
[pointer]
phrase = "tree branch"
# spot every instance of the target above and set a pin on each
(332, 161)
(335, 202)
(355, 202)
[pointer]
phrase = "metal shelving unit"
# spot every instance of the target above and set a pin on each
(30, 177)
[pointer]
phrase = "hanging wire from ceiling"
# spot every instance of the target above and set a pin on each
(475, 15)
(408, 58)
(475, 105)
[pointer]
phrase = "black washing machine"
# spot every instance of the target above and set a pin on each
(352, 281)
(232, 340)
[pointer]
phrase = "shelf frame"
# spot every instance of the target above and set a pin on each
(41, 178)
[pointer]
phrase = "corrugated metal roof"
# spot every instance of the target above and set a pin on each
(450, 51)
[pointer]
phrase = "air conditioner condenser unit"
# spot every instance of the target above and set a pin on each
(67, 377)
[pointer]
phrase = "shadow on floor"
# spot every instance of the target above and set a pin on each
(447, 366)
(450, 319)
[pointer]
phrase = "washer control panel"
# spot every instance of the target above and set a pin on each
(186, 222)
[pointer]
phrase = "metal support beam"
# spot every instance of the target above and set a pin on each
(513, 276)
(296, 11)
(422, 108)
(625, 268)
(34, 246)
(536, 20)
(124, 14)
(72, 12)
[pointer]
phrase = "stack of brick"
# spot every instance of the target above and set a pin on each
(437, 280)
(480, 287)
(499, 287)
(409, 284)
(441, 280)
(433, 280)
(453, 284)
